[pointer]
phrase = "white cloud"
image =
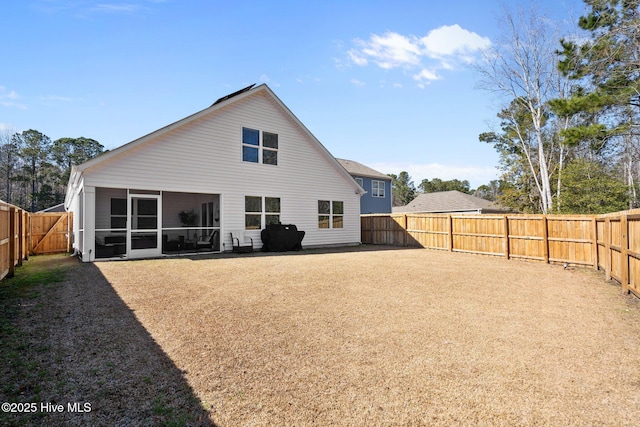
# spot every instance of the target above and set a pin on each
(56, 98)
(426, 76)
(389, 50)
(117, 8)
(451, 40)
(476, 175)
(8, 99)
(443, 48)
(266, 79)
(84, 9)
(357, 82)
(357, 58)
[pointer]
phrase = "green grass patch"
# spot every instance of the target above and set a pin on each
(26, 279)
(20, 371)
(166, 415)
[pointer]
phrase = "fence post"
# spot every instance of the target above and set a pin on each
(19, 243)
(12, 241)
(506, 236)
(624, 252)
(405, 235)
(28, 236)
(607, 248)
(594, 248)
(450, 233)
(545, 237)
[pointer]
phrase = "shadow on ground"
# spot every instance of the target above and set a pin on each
(303, 252)
(83, 348)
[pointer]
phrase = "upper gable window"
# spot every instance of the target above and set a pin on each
(250, 145)
(259, 147)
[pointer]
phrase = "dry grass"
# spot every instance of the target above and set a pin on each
(367, 336)
(68, 338)
(391, 337)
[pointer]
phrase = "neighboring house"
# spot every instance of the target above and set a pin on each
(56, 208)
(376, 184)
(237, 166)
(449, 202)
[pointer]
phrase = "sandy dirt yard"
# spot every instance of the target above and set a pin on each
(386, 336)
(367, 336)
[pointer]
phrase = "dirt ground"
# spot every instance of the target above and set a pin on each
(385, 336)
(363, 336)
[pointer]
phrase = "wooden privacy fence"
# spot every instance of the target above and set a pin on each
(23, 234)
(50, 232)
(13, 238)
(609, 242)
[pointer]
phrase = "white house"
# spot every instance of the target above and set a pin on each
(237, 166)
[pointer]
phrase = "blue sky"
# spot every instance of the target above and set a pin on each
(384, 83)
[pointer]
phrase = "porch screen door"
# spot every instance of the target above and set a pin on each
(144, 238)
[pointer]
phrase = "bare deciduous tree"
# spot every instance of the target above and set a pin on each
(521, 68)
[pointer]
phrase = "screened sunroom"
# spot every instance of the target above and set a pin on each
(133, 223)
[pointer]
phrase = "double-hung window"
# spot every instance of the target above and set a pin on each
(377, 188)
(330, 214)
(260, 212)
(259, 146)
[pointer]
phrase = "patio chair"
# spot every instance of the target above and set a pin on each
(239, 242)
(209, 242)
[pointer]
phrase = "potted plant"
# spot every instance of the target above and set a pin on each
(188, 218)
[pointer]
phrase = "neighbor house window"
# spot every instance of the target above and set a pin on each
(118, 213)
(360, 182)
(377, 188)
(259, 147)
(260, 212)
(330, 214)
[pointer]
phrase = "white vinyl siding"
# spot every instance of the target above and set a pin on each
(202, 157)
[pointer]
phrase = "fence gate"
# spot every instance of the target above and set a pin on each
(50, 232)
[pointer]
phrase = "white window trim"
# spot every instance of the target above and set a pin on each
(331, 215)
(260, 147)
(263, 212)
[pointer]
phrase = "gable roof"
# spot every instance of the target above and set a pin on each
(76, 170)
(358, 169)
(449, 201)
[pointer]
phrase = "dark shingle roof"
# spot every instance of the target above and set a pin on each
(358, 169)
(449, 201)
